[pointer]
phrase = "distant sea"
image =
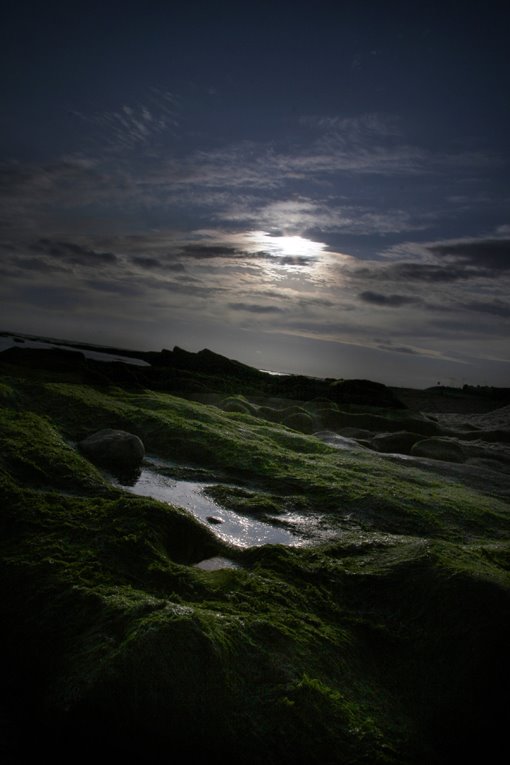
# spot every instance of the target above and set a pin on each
(270, 372)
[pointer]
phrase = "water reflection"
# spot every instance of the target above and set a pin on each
(216, 563)
(126, 476)
(231, 527)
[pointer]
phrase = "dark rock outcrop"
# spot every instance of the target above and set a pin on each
(52, 359)
(364, 393)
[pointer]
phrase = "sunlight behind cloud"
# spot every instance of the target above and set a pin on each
(287, 246)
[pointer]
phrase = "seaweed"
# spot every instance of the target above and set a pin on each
(388, 644)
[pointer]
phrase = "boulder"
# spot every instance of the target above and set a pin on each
(299, 421)
(236, 404)
(400, 442)
(113, 448)
(439, 449)
(356, 433)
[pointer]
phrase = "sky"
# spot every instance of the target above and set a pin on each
(310, 187)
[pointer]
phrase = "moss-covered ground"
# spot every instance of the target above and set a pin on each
(387, 645)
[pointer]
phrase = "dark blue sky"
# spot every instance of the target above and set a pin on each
(317, 187)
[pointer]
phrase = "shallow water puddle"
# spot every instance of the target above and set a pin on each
(230, 526)
(216, 563)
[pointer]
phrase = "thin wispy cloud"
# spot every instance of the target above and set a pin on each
(390, 301)
(256, 308)
(132, 125)
(487, 255)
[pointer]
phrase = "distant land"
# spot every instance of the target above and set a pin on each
(186, 373)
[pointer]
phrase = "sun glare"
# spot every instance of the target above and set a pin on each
(287, 246)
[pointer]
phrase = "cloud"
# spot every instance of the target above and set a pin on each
(156, 264)
(391, 301)
(459, 328)
(256, 308)
(270, 185)
(32, 264)
(318, 150)
(293, 260)
(52, 298)
(355, 128)
(69, 198)
(115, 286)
(495, 307)
(388, 346)
(132, 125)
(417, 272)
(318, 213)
(225, 234)
(206, 251)
(225, 252)
(71, 252)
(484, 254)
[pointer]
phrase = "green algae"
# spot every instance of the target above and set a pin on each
(256, 503)
(390, 496)
(385, 646)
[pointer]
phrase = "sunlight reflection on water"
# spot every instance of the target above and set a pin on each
(234, 528)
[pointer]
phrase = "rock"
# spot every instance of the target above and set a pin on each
(490, 436)
(52, 359)
(113, 448)
(363, 392)
(216, 563)
(400, 442)
(213, 519)
(438, 449)
(236, 405)
(356, 433)
(340, 420)
(487, 450)
(299, 421)
(339, 442)
(268, 413)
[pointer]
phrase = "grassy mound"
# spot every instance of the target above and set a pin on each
(387, 646)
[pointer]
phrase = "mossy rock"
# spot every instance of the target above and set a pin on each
(236, 407)
(444, 449)
(113, 448)
(339, 420)
(269, 413)
(301, 421)
(7, 393)
(497, 436)
(400, 442)
(356, 433)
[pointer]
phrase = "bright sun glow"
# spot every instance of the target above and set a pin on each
(296, 245)
(287, 246)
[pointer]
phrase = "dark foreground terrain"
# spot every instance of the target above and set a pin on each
(380, 634)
